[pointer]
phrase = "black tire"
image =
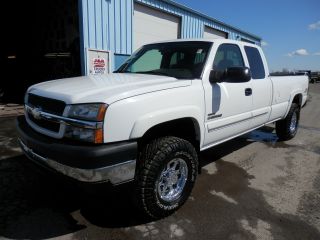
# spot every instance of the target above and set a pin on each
(284, 128)
(155, 158)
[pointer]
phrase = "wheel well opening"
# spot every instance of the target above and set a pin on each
(185, 128)
(297, 99)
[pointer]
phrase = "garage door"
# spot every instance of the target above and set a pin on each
(246, 40)
(213, 33)
(150, 25)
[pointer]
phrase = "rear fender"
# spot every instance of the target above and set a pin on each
(292, 96)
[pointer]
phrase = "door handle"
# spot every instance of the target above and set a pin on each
(248, 91)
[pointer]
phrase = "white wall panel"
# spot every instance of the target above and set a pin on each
(210, 33)
(151, 25)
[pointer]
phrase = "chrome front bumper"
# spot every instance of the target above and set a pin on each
(116, 174)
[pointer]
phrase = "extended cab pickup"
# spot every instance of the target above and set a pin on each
(148, 121)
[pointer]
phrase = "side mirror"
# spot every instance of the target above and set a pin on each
(216, 76)
(232, 74)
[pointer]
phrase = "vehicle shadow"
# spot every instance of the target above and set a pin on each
(32, 206)
(265, 134)
(36, 206)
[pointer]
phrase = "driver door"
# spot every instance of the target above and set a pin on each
(228, 104)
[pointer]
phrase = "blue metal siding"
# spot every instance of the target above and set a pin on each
(107, 25)
(119, 60)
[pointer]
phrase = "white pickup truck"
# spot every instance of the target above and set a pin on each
(148, 121)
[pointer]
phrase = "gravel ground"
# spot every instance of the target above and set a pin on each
(252, 187)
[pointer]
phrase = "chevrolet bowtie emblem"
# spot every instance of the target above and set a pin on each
(36, 113)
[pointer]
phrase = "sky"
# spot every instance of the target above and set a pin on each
(290, 29)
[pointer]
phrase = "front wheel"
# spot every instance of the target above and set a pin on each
(287, 128)
(166, 175)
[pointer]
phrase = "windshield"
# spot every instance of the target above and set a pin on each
(182, 60)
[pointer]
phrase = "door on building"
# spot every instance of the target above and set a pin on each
(246, 40)
(151, 25)
(210, 33)
(41, 44)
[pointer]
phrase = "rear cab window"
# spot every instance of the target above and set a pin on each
(255, 62)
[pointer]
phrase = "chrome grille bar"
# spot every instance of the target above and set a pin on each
(38, 114)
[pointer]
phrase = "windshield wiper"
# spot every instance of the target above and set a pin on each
(123, 72)
(154, 73)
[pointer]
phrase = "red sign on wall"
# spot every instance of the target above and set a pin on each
(99, 66)
(98, 61)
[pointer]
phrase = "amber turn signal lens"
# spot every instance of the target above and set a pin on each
(102, 112)
(98, 136)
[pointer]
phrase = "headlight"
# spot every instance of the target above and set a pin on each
(86, 112)
(84, 134)
(90, 112)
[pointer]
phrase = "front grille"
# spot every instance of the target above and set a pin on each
(48, 105)
(52, 126)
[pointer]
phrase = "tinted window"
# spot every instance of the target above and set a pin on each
(151, 60)
(255, 62)
(228, 55)
(176, 57)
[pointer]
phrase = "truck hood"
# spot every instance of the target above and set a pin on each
(106, 88)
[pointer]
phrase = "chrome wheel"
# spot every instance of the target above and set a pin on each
(172, 180)
(293, 123)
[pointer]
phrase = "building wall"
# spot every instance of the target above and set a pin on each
(107, 25)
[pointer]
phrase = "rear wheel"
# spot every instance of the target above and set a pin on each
(166, 175)
(287, 128)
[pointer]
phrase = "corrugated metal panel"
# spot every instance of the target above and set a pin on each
(119, 60)
(107, 24)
